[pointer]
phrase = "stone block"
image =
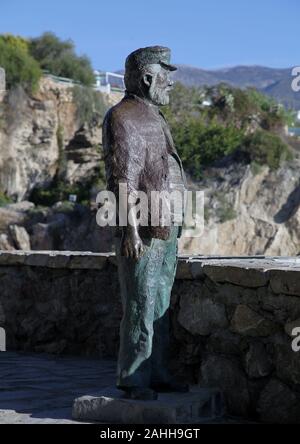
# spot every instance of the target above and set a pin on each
(112, 259)
(227, 375)
(285, 281)
(95, 261)
(248, 322)
(200, 315)
(12, 258)
(279, 404)
(58, 260)
(257, 362)
(20, 237)
(224, 341)
(197, 270)
(287, 363)
(37, 259)
(110, 406)
(238, 275)
(183, 270)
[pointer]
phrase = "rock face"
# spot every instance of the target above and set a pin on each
(64, 226)
(249, 213)
(35, 133)
(41, 137)
(20, 236)
(67, 228)
(10, 218)
(4, 242)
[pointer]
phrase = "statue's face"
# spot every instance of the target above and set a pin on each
(160, 85)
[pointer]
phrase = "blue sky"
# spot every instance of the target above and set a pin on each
(202, 33)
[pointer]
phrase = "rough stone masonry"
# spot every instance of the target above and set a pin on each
(232, 320)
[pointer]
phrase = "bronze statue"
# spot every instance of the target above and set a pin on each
(139, 152)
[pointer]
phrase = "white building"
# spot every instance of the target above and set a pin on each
(109, 81)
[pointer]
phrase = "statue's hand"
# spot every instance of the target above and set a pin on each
(132, 245)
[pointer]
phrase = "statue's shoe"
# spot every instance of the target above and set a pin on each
(140, 393)
(170, 386)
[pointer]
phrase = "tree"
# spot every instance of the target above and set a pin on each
(200, 144)
(20, 67)
(212, 122)
(266, 148)
(59, 58)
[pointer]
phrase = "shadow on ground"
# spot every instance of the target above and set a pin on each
(41, 388)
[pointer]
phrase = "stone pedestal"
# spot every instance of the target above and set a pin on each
(110, 406)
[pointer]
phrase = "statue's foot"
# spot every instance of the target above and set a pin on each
(170, 386)
(140, 393)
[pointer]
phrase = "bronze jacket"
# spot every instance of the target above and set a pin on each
(136, 142)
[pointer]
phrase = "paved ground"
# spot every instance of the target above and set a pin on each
(41, 388)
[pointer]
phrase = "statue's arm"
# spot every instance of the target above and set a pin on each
(128, 162)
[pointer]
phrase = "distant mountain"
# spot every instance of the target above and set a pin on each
(271, 81)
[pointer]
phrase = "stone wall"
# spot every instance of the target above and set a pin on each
(232, 324)
(231, 320)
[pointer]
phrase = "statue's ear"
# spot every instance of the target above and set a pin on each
(147, 79)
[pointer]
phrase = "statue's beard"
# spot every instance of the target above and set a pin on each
(158, 95)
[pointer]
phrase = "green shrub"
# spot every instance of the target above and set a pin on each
(4, 199)
(255, 167)
(88, 103)
(59, 58)
(259, 100)
(266, 148)
(201, 145)
(59, 191)
(20, 67)
(225, 210)
(65, 207)
(226, 213)
(205, 134)
(184, 101)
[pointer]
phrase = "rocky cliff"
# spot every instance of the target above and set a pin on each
(248, 210)
(36, 131)
(42, 139)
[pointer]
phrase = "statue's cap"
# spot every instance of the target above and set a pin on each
(151, 54)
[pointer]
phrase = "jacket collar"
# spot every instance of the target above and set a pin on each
(145, 102)
(170, 144)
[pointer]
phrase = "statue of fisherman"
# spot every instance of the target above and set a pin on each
(139, 152)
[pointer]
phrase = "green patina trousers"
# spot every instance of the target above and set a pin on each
(145, 287)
